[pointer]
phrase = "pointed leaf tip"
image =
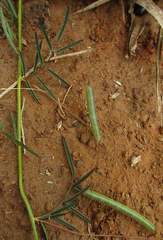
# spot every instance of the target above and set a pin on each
(63, 26)
(68, 156)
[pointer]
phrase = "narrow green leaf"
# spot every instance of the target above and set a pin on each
(5, 25)
(32, 92)
(1, 126)
(11, 33)
(77, 194)
(36, 59)
(65, 207)
(55, 75)
(12, 22)
(44, 86)
(23, 64)
(69, 46)
(12, 8)
(68, 156)
(63, 26)
(20, 144)
(66, 224)
(7, 5)
(8, 26)
(79, 214)
(6, 9)
(46, 38)
(83, 178)
(7, 15)
(38, 50)
(14, 126)
(53, 216)
(44, 229)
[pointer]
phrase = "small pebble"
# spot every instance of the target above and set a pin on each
(69, 122)
(79, 164)
(48, 206)
(100, 171)
(91, 143)
(144, 117)
(72, 130)
(119, 130)
(75, 154)
(85, 137)
(161, 207)
(100, 215)
(148, 209)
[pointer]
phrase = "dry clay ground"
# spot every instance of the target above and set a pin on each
(129, 126)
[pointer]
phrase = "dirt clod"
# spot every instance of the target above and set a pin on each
(85, 137)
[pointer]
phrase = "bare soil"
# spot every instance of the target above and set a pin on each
(129, 123)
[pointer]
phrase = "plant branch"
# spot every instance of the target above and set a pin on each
(89, 235)
(46, 60)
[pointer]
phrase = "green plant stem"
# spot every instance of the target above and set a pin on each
(19, 124)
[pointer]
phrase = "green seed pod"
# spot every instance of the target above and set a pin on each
(92, 113)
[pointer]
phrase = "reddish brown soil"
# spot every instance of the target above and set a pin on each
(129, 124)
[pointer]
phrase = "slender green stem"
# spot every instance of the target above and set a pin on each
(49, 213)
(19, 124)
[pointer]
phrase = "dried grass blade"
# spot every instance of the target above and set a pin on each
(1, 126)
(20, 144)
(46, 38)
(23, 64)
(66, 224)
(63, 26)
(83, 178)
(153, 9)
(68, 156)
(55, 75)
(36, 59)
(32, 92)
(45, 87)
(7, 30)
(69, 46)
(38, 50)
(77, 194)
(158, 64)
(80, 214)
(14, 126)
(44, 230)
(91, 6)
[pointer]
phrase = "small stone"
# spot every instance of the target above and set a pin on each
(119, 130)
(100, 171)
(79, 164)
(69, 122)
(161, 130)
(91, 143)
(85, 137)
(100, 215)
(72, 130)
(148, 209)
(135, 160)
(48, 206)
(161, 207)
(144, 117)
(75, 154)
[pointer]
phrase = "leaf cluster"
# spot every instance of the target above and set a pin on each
(57, 214)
